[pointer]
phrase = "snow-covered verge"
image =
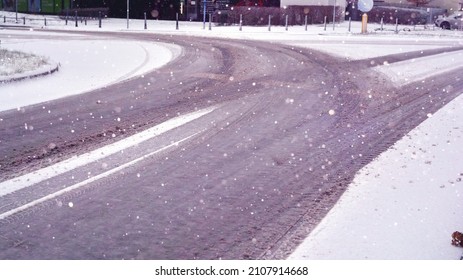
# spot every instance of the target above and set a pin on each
(403, 205)
(14, 62)
(15, 65)
(86, 63)
(406, 203)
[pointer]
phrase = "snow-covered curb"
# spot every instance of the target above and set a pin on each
(47, 69)
(16, 65)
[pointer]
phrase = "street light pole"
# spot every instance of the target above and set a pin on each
(128, 10)
(204, 14)
(16, 9)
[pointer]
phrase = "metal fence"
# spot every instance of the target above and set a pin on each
(70, 19)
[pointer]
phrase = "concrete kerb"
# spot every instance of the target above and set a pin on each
(31, 74)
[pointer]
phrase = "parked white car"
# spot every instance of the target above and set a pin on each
(454, 21)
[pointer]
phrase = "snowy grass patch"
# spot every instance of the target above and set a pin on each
(16, 62)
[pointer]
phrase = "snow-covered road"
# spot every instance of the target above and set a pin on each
(403, 205)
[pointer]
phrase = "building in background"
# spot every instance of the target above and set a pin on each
(405, 11)
(194, 9)
(36, 6)
(450, 5)
(314, 3)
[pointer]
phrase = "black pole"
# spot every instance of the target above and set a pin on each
(176, 21)
(77, 24)
(241, 22)
(99, 19)
(146, 25)
(269, 22)
(210, 21)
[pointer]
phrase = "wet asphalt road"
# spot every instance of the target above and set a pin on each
(290, 129)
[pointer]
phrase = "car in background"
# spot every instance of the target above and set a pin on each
(453, 21)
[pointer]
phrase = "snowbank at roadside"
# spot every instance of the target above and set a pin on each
(403, 205)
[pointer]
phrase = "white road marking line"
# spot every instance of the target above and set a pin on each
(88, 181)
(59, 168)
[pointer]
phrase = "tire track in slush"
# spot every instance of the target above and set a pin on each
(29, 180)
